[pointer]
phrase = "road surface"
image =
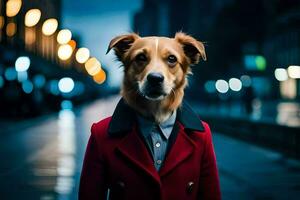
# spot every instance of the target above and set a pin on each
(42, 158)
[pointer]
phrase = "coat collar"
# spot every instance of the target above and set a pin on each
(124, 118)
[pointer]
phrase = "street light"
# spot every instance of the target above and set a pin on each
(92, 66)
(281, 74)
(32, 17)
(22, 64)
(100, 77)
(294, 71)
(65, 52)
(235, 84)
(222, 86)
(64, 36)
(82, 55)
(49, 26)
(13, 7)
(66, 85)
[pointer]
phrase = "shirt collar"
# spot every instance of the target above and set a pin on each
(166, 127)
(124, 118)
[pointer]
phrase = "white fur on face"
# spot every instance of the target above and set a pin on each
(166, 88)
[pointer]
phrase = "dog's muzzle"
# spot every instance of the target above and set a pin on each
(153, 88)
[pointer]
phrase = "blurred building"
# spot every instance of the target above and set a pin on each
(246, 40)
(282, 47)
(42, 64)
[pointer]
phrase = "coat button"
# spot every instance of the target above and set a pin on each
(189, 187)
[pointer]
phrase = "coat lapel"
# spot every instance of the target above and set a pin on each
(182, 149)
(133, 149)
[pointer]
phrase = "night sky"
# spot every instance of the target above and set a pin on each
(96, 22)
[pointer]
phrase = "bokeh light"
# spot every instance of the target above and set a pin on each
(246, 80)
(235, 84)
(100, 77)
(10, 74)
(27, 86)
(22, 63)
(82, 55)
(39, 80)
(53, 87)
(22, 76)
(1, 82)
(49, 26)
(72, 43)
(64, 36)
(11, 29)
(261, 63)
(92, 66)
(65, 52)
(66, 85)
(1, 22)
(13, 7)
(32, 17)
(281, 74)
(210, 86)
(294, 71)
(66, 105)
(222, 86)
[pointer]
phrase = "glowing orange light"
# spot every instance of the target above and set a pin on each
(11, 29)
(100, 77)
(13, 7)
(92, 66)
(72, 43)
(32, 17)
(1, 22)
(49, 26)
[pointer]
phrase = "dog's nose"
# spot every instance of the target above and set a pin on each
(155, 78)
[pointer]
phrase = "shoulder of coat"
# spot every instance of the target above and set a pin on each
(100, 128)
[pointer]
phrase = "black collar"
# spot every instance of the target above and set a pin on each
(124, 118)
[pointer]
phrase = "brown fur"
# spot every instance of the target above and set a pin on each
(185, 48)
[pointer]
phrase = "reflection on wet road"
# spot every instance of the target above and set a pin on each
(42, 158)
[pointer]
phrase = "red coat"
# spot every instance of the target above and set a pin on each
(117, 159)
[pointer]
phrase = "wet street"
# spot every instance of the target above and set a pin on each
(42, 159)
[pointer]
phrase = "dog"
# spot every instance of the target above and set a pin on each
(121, 160)
(156, 70)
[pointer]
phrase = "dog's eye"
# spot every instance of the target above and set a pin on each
(141, 57)
(172, 59)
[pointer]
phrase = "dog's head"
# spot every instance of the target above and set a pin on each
(156, 67)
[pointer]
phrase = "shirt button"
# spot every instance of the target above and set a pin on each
(158, 162)
(157, 144)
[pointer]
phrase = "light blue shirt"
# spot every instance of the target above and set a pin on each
(157, 136)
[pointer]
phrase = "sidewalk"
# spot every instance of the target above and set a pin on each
(281, 113)
(249, 172)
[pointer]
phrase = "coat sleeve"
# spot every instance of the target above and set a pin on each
(93, 181)
(209, 178)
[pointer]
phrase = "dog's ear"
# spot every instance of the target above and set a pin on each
(121, 44)
(192, 48)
